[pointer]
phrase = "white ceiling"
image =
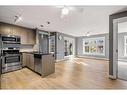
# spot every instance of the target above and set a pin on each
(93, 19)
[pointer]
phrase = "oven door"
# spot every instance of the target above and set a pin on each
(11, 60)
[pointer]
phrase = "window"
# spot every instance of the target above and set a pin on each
(94, 46)
(125, 45)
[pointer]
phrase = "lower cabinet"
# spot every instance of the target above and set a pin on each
(31, 61)
(28, 60)
(24, 61)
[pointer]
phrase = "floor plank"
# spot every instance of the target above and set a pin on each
(77, 73)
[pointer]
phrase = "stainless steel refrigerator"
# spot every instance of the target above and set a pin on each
(44, 43)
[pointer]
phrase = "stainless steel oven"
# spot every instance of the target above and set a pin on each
(11, 57)
(11, 62)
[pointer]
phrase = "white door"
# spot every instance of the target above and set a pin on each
(119, 59)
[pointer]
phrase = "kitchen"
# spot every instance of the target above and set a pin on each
(18, 50)
(35, 49)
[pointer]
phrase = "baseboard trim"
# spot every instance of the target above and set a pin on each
(61, 60)
(112, 77)
(89, 57)
(124, 60)
(64, 59)
(83, 57)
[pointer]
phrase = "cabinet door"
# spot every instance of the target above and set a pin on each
(27, 60)
(31, 61)
(31, 36)
(5, 29)
(23, 35)
(16, 31)
(24, 59)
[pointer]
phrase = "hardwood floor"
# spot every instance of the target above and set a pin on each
(78, 73)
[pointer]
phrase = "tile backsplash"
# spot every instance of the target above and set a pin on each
(26, 48)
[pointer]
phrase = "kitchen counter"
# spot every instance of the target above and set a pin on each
(35, 52)
(42, 63)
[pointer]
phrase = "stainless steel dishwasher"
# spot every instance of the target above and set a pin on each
(37, 63)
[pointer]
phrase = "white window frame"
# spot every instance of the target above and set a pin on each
(94, 38)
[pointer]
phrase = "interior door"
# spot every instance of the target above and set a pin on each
(115, 49)
(119, 48)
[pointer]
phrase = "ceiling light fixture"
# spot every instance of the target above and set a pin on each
(17, 19)
(64, 11)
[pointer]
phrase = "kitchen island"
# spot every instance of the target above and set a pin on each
(43, 64)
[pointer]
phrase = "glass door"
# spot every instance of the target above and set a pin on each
(68, 47)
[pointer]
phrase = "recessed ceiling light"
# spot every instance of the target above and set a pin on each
(41, 25)
(48, 22)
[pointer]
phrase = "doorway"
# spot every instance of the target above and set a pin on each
(120, 48)
(69, 47)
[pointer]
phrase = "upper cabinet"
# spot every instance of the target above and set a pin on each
(28, 36)
(31, 38)
(5, 29)
(24, 36)
(16, 31)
